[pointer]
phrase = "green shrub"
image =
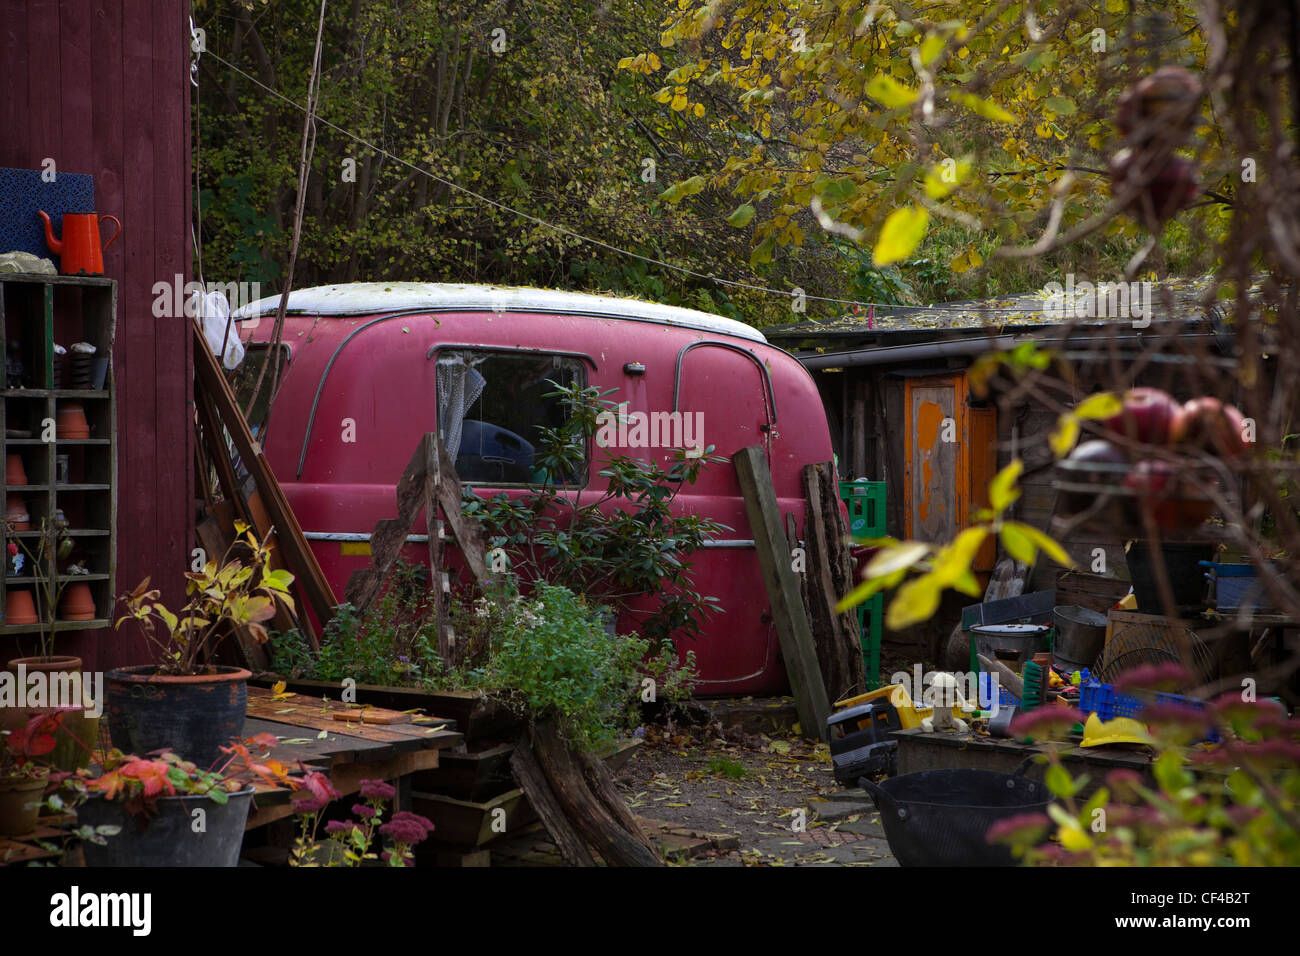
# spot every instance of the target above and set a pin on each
(393, 642)
(550, 655)
(553, 655)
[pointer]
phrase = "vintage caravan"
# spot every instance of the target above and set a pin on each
(370, 367)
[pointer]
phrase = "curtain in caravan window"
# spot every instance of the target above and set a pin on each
(459, 387)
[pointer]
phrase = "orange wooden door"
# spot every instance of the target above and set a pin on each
(936, 486)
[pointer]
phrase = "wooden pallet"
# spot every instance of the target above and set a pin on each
(348, 750)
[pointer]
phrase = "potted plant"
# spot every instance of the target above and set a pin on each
(184, 703)
(76, 731)
(149, 805)
(41, 559)
(22, 777)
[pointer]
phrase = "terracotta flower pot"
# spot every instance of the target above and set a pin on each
(20, 608)
(71, 421)
(78, 734)
(55, 664)
(16, 512)
(11, 718)
(20, 803)
(15, 474)
(78, 603)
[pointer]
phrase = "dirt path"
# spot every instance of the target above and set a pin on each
(776, 796)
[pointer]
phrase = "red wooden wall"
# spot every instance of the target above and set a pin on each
(102, 86)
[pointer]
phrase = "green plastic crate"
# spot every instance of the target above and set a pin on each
(866, 503)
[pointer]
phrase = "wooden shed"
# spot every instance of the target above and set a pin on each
(100, 87)
(898, 395)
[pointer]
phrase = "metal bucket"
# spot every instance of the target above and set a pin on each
(1080, 636)
(1024, 640)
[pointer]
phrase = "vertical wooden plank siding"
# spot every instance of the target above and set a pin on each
(102, 87)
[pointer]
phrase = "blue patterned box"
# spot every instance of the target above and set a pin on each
(23, 192)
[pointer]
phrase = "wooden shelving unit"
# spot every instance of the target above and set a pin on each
(36, 311)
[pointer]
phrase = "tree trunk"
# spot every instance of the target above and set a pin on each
(593, 819)
(532, 780)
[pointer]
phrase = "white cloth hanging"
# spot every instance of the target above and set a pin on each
(459, 387)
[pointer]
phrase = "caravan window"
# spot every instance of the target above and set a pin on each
(492, 409)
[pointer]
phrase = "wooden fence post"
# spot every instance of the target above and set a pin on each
(792, 628)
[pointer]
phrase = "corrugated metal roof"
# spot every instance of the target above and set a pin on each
(1175, 298)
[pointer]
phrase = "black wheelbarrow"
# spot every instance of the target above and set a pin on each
(941, 817)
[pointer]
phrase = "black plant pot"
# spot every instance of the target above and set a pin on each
(168, 839)
(192, 716)
(1182, 565)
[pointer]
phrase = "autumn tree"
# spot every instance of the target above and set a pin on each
(456, 141)
(942, 128)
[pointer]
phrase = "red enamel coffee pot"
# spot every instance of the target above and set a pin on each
(79, 250)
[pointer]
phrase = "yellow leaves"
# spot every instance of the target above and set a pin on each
(698, 110)
(645, 63)
(942, 178)
(687, 187)
(1064, 435)
(742, 216)
(970, 259)
(931, 47)
(1017, 544)
(1095, 407)
(679, 101)
(868, 588)
(897, 558)
(952, 566)
(1069, 831)
(1023, 542)
(1002, 489)
(982, 107)
(888, 92)
(902, 233)
(916, 601)
(1043, 130)
(1102, 405)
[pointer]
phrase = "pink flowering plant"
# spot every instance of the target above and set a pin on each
(1234, 802)
(352, 841)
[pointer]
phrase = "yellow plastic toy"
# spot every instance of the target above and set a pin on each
(909, 715)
